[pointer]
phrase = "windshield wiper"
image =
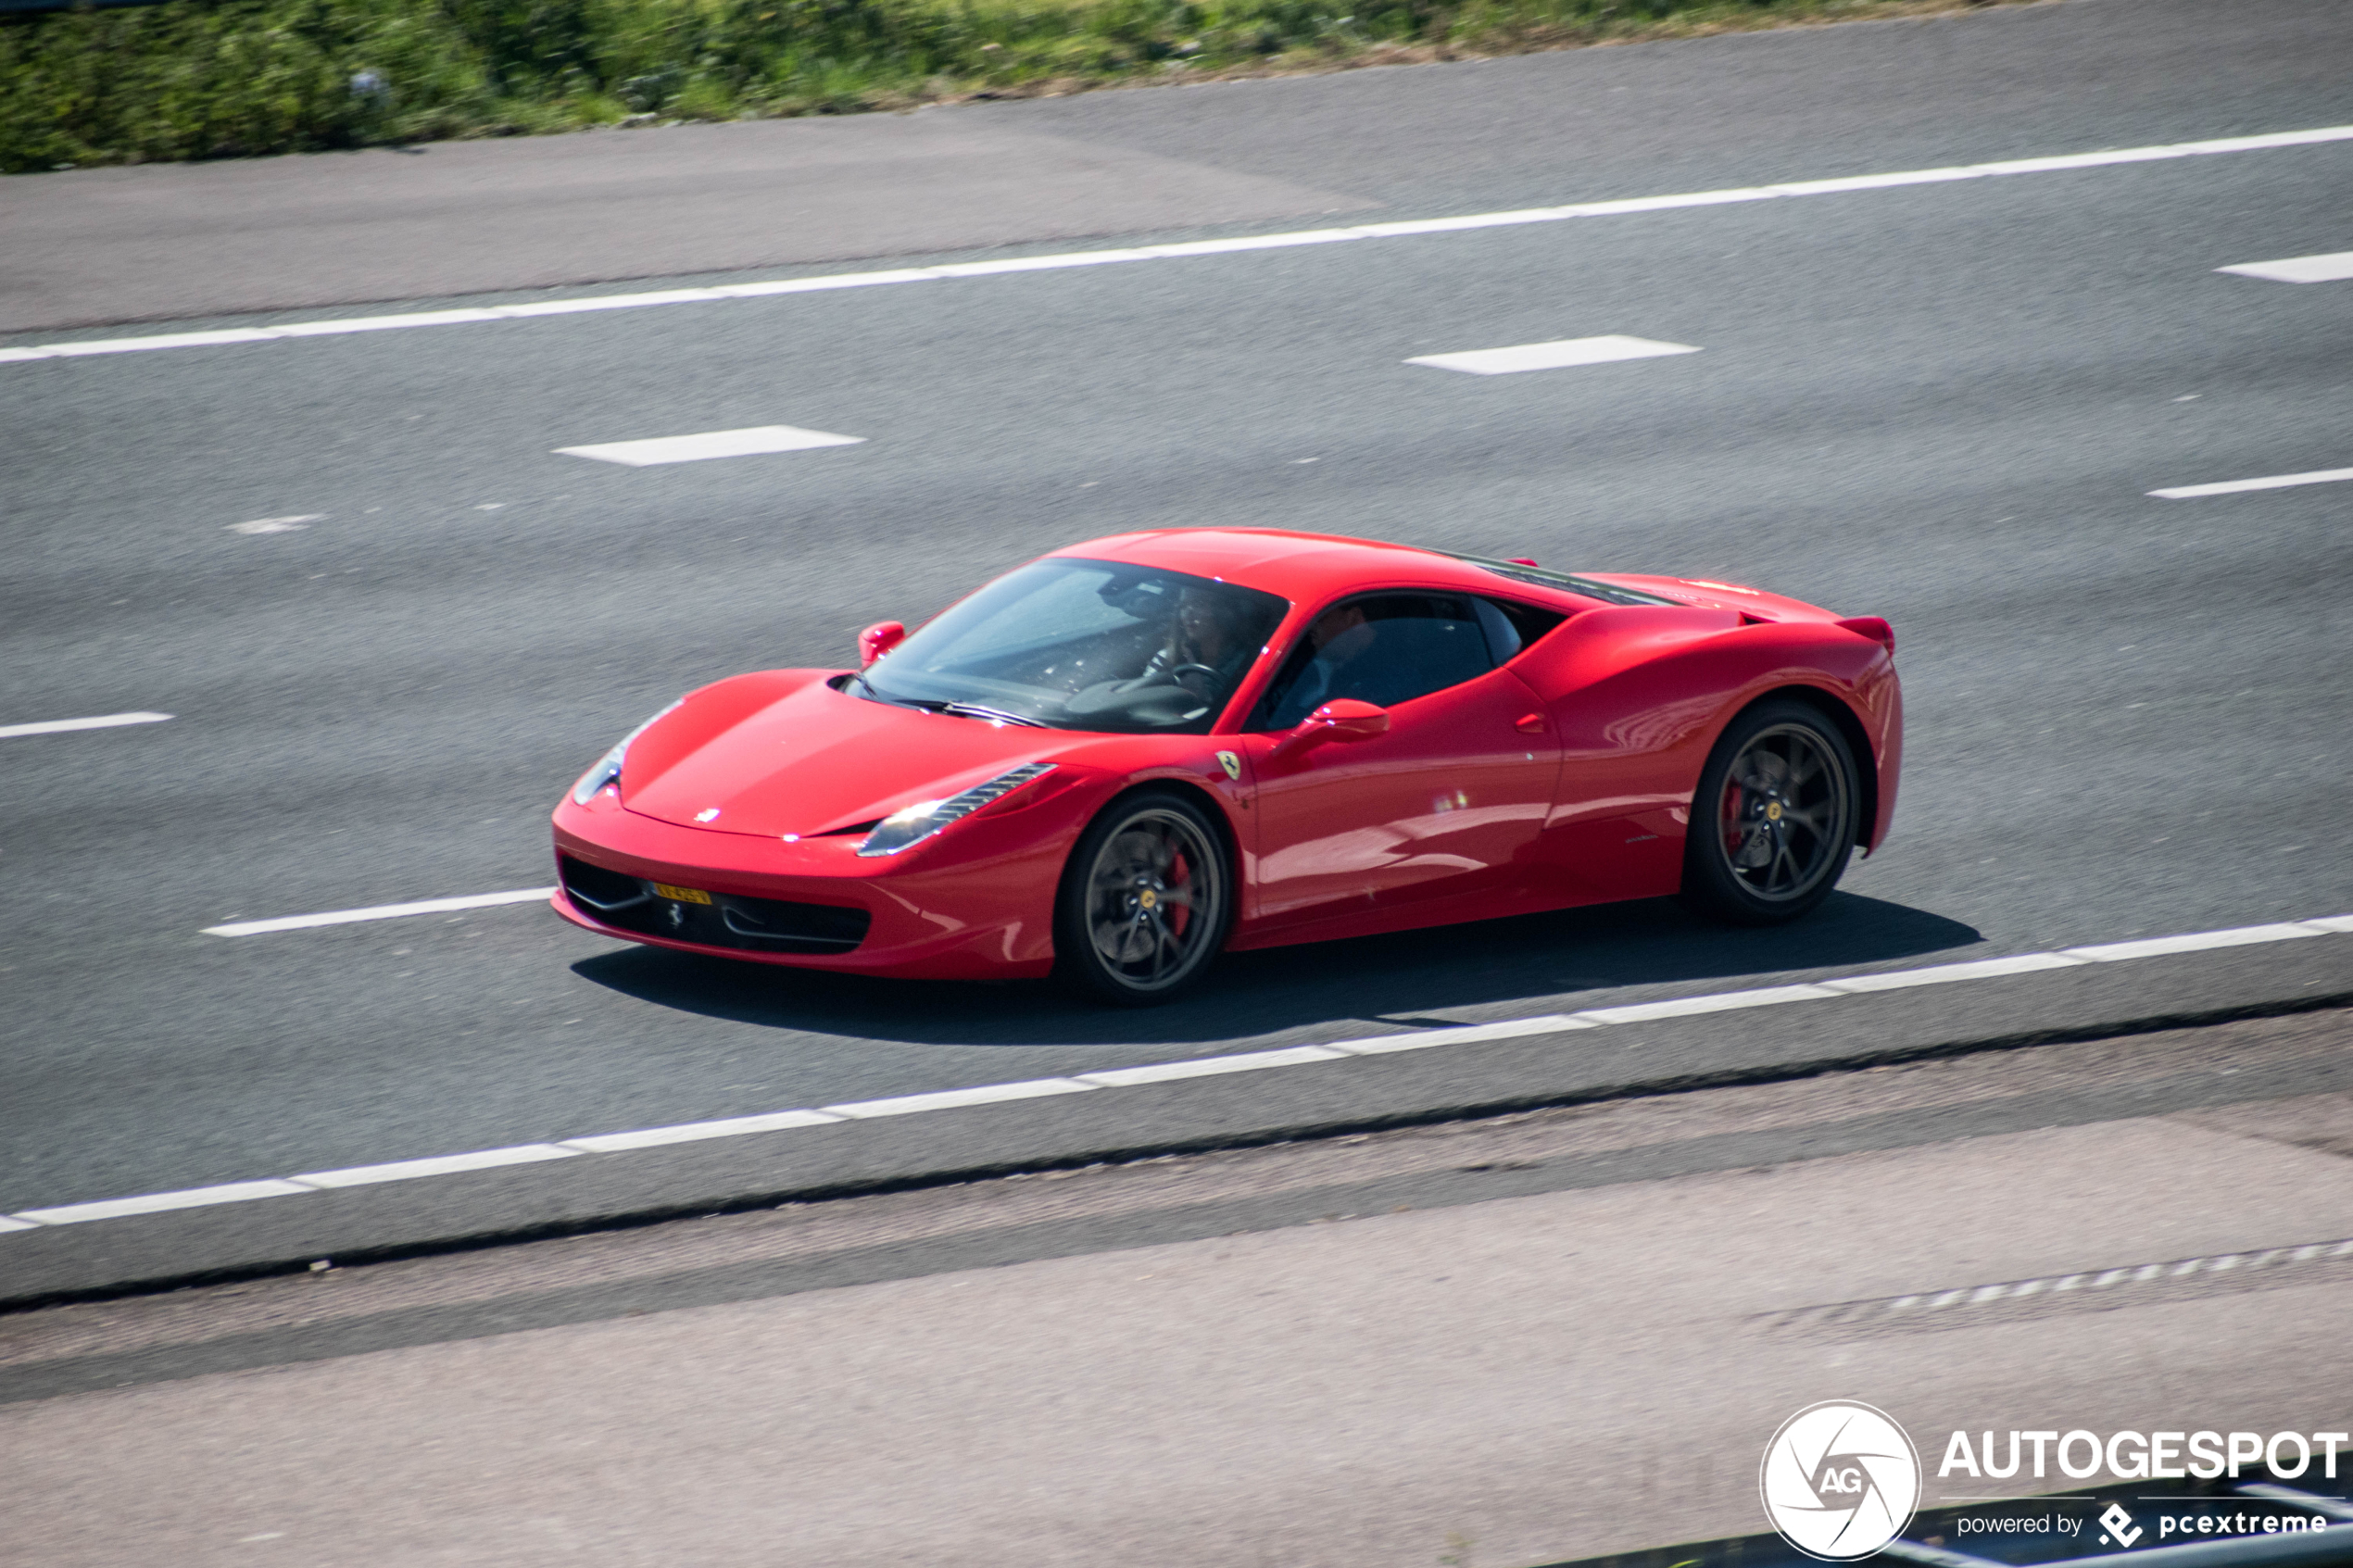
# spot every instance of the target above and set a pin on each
(921, 704)
(958, 709)
(995, 715)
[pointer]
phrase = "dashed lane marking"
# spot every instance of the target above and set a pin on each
(1131, 1077)
(1853, 183)
(1551, 356)
(710, 444)
(2126, 1285)
(2298, 269)
(381, 911)
(60, 726)
(2232, 487)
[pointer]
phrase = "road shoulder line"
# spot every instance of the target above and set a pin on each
(1851, 185)
(1117, 1078)
(260, 1266)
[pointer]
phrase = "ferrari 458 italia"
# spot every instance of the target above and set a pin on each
(1127, 756)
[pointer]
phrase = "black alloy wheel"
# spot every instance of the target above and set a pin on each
(1774, 818)
(1146, 902)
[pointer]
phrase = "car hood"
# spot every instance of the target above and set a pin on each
(816, 760)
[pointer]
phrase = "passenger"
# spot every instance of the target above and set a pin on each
(1337, 637)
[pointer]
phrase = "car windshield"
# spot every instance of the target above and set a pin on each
(1085, 645)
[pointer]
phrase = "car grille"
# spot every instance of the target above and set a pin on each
(759, 926)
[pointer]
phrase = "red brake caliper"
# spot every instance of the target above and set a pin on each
(1180, 875)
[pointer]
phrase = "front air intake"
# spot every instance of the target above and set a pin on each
(597, 890)
(729, 920)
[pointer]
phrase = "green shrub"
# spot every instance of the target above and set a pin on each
(196, 79)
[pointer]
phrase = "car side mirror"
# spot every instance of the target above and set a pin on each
(1341, 718)
(879, 639)
(1347, 718)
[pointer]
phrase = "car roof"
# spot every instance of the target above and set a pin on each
(1303, 568)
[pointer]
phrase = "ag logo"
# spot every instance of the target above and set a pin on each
(1840, 1480)
(1231, 763)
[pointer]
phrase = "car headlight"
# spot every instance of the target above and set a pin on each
(607, 768)
(913, 824)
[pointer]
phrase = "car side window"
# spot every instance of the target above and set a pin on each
(1511, 627)
(1383, 648)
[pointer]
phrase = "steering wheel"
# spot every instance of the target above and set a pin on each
(1138, 695)
(1161, 678)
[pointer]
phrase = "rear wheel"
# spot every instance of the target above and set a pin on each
(1773, 820)
(1145, 902)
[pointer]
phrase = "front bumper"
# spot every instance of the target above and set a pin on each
(974, 904)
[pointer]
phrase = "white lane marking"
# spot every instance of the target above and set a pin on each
(276, 524)
(709, 443)
(2086, 1279)
(158, 1202)
(2298, 269)
(1551, 355)
(1039, 263)
(1209, 1066)
(60, 726)
(1944, 974)
(382, 323)
(379, 912)
(2197, 942)
(1723, 1001)
(992, 1094)
(774, 286)
(605, 302)
(2232, 487)
(693, 1131)
(1469, 1033)
(950, 1099)
(1407, 228)
(143, 344)
(439, 1165)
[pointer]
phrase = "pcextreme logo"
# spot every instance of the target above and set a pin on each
(1840, 1480)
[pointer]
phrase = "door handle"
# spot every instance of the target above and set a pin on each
(1533, 724)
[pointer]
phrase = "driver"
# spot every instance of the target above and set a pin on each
(1200, 637)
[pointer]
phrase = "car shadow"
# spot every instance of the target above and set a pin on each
(1394, 979)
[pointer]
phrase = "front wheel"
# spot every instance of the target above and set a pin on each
(1773, 820)
(1145, 902)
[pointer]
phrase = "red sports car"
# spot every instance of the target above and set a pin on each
(1124, 757)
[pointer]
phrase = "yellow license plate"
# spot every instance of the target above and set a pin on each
(681, 895)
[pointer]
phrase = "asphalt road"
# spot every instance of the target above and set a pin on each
(171, 242)
(1943, 405)
(1545, 1336)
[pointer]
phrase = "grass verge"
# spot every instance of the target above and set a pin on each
(199, 79)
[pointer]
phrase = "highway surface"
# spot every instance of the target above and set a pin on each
(1540, 1336)
(390, 619)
